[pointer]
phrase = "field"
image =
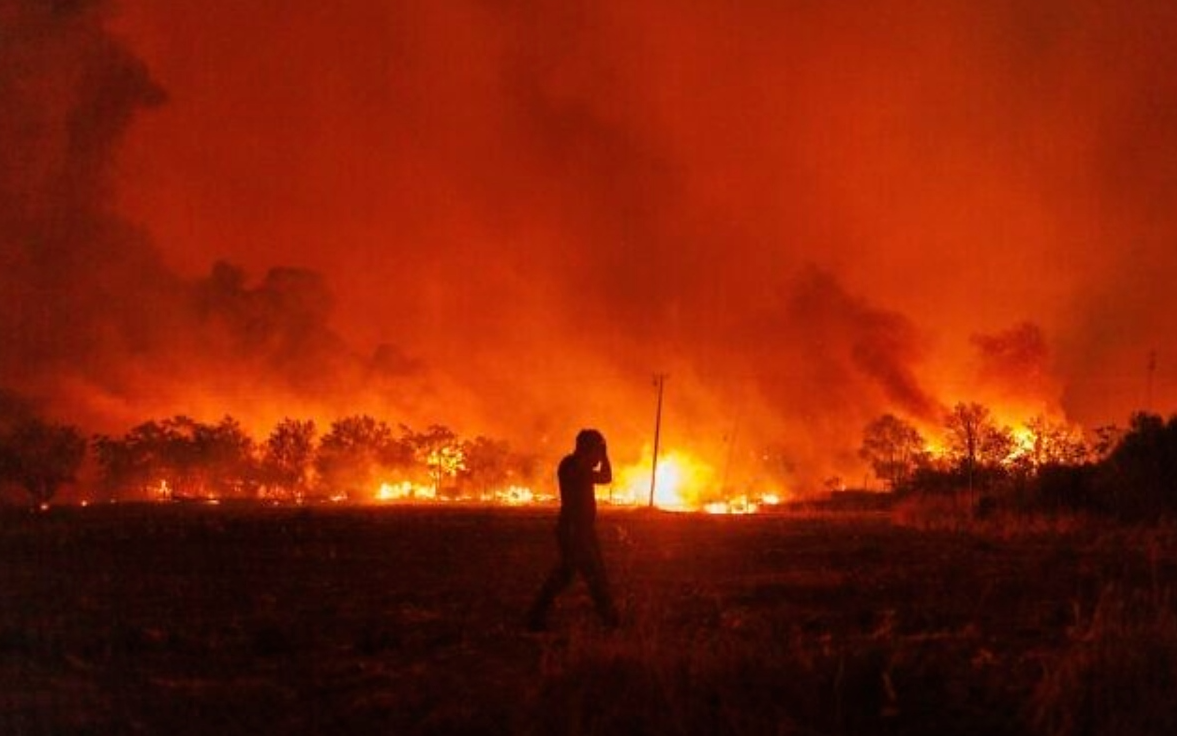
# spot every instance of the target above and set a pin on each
(187, 619)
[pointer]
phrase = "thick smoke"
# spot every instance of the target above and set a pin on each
(1014, 369)
(97, 328)
(79, 283)
(799, 211)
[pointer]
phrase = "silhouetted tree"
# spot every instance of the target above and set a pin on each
(975, 442)
(1106, 438)
(179, 457)
(120, 466)
(172, 444)
(138, 461)
(1055, 443)
(288, 456)
(1138, 479)
(40, 457)
(355, 451)
(437, 450)
(893, 448)
(222, 459)
(488, 465)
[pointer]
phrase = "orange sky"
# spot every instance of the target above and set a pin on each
(805, 212)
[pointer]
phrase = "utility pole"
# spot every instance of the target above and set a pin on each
(660, 382)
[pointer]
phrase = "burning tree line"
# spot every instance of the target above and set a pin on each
(358, 458)
(1043, 465)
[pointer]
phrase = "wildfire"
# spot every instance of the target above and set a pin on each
(1009, 442)
(735, 505)
(1024, 439)
(682, 483)
(677, 484)
(447, 460)
(406, 491)
(516, 496)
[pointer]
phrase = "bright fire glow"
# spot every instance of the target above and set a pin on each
(680, 485)
(447, 460)
(515, 496)
(734, 505)
(405, 491)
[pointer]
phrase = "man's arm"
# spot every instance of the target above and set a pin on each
(605, 473)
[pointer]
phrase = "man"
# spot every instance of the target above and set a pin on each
(576, 533)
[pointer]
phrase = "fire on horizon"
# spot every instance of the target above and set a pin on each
(504, 217)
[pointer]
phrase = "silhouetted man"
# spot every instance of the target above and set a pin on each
(576, 532)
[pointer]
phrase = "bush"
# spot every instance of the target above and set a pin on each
(1066, 488)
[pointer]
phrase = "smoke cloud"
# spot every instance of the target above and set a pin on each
(97, 327)
(507, 216)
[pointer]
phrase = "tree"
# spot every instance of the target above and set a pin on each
(488, 465)
(1138, 479)
(893, 447)
(974, 438)
(288, 455)
(437, 450)
(354, 451)
(40, 457)
(222, 457)
(1107, 437)
(976, 444)
(140, 461)
(1054, 443)
(179, 457)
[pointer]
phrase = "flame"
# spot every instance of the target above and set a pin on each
(680, 484)
(448, 460)
(406, 491)
(1026, 440)
(515, 496)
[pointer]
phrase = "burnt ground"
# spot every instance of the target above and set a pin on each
(198, 620)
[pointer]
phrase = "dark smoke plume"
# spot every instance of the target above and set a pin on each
(95, 326)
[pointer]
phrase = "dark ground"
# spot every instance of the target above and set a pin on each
(188, 619)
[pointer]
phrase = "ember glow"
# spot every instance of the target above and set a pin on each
(456, 213)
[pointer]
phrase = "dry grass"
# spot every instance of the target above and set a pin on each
(240, 620)
(1118, 673)
(961, 513)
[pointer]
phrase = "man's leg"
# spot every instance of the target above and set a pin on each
(592, 566)
(558, 579)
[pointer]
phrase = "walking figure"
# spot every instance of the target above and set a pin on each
(576, 533)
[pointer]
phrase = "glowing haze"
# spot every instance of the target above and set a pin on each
(505, 217)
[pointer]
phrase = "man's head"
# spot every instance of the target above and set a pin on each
(590, 443)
